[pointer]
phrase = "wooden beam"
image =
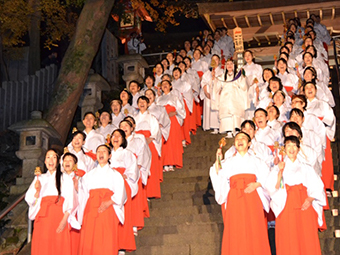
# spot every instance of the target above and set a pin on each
(271, 18)
(235, 21)
(308, 14)
(224, 24)
(284, 18)
(320, 13)
(211, 24)
(259, 19)
(247, 20)
(333, 13)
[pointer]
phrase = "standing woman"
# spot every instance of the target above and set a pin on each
(148, 125)
(127, 108)
(172, 150)
(51, 203)
(297, 197)
(125, 163)
(238, 183)
(325, 113)
(101, 207)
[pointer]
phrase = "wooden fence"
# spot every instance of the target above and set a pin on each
(19, 98)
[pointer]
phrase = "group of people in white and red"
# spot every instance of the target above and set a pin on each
(93, 199)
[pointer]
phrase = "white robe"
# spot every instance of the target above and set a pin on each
(159, 112)
(296, 173)
(173, 100)
(128, 110)
(48, 188)
(185, 90)
(267, 136)
(105, 131)
(93, 140)
(138, 146)
(117, 119)
(289, 80)
(135, 99)
(248, 164)
(125, 158)
(231, 102)
(146, 121)
(84, 163)
(103, 178)
(210, 117)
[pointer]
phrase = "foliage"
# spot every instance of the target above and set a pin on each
(58, 19)
(162, 13)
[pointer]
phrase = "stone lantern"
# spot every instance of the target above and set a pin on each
(36, 137)
(134, 67)
(91, 100)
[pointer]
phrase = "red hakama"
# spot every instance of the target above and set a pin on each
(99, 233)
(245, 229)
(172, 150)
(327, 167)
(126, 238)
(153, 188)
(296, 231)
(186, 124)
(138, 207)
(45, 238)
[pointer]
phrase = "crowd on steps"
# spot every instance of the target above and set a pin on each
(93, 198)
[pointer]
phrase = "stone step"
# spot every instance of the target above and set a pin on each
(187, 210)
(183, 187)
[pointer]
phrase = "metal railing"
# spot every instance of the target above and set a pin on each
(10, 207)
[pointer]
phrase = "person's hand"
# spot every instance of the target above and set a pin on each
(207, 94)
(75, 183)
(37, 187)
(276, 160)
(62, 225)
(171, 114)
(281, 166)
(124, 176)
(104, 205)
(307, 203)
(149, 140)
(251, 187)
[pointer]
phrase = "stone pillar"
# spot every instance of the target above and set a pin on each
(91, 100)
(134, 67)
(36, 137)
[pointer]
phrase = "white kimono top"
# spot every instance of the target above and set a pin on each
(248, 164)
(125, 158)
(173, 100)
(103, 178)
(184, 88)
(159, 112)
(48, 188)
(117, 119)
(93, 140)
(128, 110)
(107, 130)
(138, 146)
(146, 121)
(296, 173)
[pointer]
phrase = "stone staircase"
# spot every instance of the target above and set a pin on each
(186, 220)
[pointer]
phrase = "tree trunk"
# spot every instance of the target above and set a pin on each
(76, 64)
(3, 66)
(34, 35)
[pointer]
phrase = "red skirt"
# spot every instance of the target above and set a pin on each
(137, 207)
(45, 238)
(75, 240)
(199, 112)
(172, 151)
(245, 228)
(126, 238)
(186, 124)
(296, 231)
(327, 168)
(99, 232)
(153, 188)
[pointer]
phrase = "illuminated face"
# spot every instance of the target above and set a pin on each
(291, 150)
(308, 59)
(158, 70)
(77, 142)
(272, 113)
(187, 62)
(297, 103)
(124, 96)
(308, 75)
(281, 66)
(249, 130)
(115, 107)
(142, 105)
(150, 96)
(216, 60)
(267, 75)
(176, 74)
(308, 42)
(206, 49)
(311, 51)
(261, 119)
(126, 128)
(170, 58)
(103, 155)
(274, 86)
(230, 66)
(187, 45)
(116, 139)
(89, 121)
(51, 160)
(165, 64)
(166, 87)
(241, 143)
(297, 119)
(183, 53)
(133, 88)
(291, 132)
(278, 99)
(197, 55)
(248, 57)
(149, 82)
(182, 67)
(68, 164)
(105, 118)
(310, 91)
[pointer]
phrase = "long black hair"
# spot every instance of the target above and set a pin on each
(57, 174)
